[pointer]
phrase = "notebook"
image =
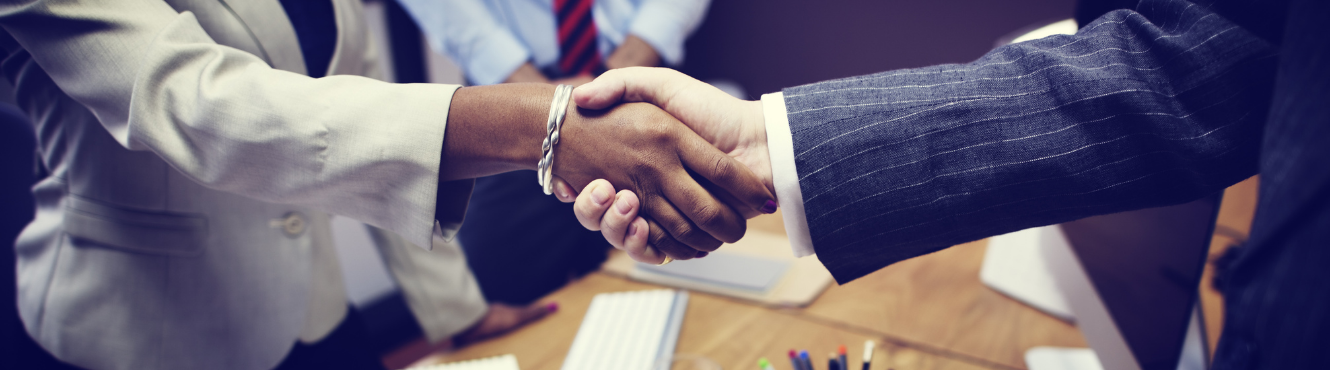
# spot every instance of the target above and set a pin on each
(628, 331)
(736, 271)
(505, 362)
(757, 268)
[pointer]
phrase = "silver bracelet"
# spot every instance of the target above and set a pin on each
(558, 110)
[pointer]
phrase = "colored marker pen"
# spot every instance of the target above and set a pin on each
(844, 362)
(868, 354)
(794, 361)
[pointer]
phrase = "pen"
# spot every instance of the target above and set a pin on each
(844, 362)
(803, 359)
(832, 363)
(794, 361)
(868, 354)
(763, 364)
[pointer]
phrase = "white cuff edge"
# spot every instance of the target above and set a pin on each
(784, 175)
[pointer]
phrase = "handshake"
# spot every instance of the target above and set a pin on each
(694, 167)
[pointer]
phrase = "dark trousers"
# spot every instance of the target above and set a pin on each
(522, 244)
(347, 347)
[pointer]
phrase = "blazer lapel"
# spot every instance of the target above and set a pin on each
(352, 42)
(269, 26)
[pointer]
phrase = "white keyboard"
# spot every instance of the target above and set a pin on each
(505, 362)
(628, 331)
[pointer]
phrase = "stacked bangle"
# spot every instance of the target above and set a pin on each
(558, 110)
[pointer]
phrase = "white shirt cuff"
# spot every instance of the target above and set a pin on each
(785, 177)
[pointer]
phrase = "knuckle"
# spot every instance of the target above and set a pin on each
(640, 171)
(721, 167)
(698, 239)
(658, 135)
(658, 238)
(708, 214)
(684, 230)
(737, 233)
(708, 244)
(657, 131)
(667, 244)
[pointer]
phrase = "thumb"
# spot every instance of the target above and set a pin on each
(634, 84)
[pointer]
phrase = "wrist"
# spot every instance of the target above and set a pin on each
(526, 73)
(633, 52)
(495, 129)
(759, 156)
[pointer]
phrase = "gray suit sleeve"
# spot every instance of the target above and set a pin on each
(1143, 108)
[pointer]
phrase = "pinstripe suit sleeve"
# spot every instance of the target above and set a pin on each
(1142, 108)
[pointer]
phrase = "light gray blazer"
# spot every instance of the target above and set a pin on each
(191, 163)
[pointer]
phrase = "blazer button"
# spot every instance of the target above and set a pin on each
(292, 224)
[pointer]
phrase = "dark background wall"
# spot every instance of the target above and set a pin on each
(767, 45)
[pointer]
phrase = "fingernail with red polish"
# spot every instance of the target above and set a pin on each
(552, 307)
(770, 207)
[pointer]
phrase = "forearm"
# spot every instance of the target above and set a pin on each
(665, 24)
(494, 129)
(527, 73)
(634, 52)
(1137, 110)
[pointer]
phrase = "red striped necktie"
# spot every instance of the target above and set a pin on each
(577, 37)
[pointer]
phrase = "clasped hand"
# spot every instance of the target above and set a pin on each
(662, 209)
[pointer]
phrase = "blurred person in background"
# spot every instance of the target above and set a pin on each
(545, 41)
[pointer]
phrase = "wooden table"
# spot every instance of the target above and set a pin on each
(929, 312)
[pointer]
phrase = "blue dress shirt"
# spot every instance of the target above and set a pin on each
(490, 39)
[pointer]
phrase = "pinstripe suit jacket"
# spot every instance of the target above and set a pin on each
(1162, 104)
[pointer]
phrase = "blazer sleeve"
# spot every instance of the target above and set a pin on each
(1143, 108)
(347, 145)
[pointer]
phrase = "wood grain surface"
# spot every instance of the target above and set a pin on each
(930, 312)
(730, 332)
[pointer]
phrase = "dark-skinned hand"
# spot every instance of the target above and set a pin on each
(686, 186)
